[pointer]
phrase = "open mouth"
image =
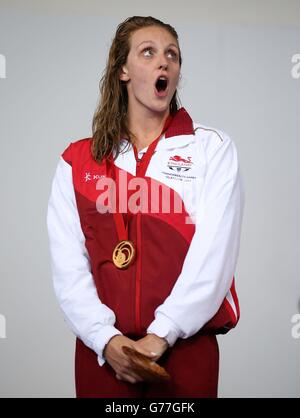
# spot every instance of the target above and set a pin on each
(161, 84)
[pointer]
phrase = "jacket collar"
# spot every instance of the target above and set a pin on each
(181, 124)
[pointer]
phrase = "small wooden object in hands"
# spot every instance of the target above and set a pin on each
(146, 368)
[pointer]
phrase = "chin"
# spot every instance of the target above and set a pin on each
(161, 107)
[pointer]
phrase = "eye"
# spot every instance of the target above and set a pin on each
(173, 53)
(147, 49)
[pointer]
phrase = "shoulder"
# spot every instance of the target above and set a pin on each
(210, 139)
(78, 149)
(210, 135)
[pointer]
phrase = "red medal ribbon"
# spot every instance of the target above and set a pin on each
(141, 169)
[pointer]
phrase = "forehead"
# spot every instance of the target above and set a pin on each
(154, 34)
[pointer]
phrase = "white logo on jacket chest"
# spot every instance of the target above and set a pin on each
(88, 176)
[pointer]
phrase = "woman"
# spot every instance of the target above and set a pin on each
(144, 222)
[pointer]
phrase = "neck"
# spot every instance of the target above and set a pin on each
(146, 126)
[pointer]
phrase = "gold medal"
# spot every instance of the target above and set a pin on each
(123, 254)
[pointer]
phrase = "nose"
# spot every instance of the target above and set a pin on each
(163, 66)
(163, 62)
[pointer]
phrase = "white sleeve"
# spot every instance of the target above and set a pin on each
(89, 319)
(210, 262)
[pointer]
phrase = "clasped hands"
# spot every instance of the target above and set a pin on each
(151, 345)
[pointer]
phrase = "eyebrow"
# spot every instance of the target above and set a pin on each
(153, 42)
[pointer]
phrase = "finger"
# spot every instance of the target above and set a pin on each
(137, 377)
(133, 373)
(128, 378)
(147, 353)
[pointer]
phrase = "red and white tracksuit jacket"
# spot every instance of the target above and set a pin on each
(183, 278)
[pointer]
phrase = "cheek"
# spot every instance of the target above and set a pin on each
(174, 82)
(140, 76)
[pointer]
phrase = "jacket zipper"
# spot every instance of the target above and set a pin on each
(138, 277)
(138, 271)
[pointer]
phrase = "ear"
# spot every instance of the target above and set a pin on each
(123, 74)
